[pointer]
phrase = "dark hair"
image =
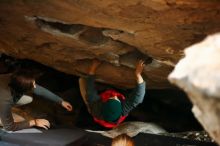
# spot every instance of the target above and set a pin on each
(21, 82)
(122, 140)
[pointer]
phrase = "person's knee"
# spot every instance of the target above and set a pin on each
(25, 99)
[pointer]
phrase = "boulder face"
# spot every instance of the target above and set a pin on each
(198, 74)
(67, 34)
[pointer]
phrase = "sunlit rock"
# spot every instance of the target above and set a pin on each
(132, 129)
(198, 74)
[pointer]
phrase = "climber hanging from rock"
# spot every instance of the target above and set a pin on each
(110, 108)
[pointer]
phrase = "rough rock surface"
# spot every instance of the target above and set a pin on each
(66, 34)
(198, 74)
(132, 129)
